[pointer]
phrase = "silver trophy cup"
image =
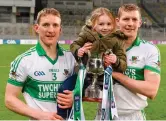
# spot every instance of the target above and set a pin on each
(95, 67)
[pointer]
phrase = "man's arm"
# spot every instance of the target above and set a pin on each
(13, 103)
(148, 87)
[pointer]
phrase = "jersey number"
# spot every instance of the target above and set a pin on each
(54, 77)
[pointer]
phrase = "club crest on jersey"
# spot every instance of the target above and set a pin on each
(134, 59)
(66, 72)
(14, 75)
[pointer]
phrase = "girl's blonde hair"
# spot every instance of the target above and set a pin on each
(95, 14)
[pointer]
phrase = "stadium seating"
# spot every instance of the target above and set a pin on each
(16, 31)
(74, 13)
(157, 11)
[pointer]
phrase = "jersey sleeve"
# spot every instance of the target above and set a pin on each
(152, 61)
(71, 62)
(18, 72)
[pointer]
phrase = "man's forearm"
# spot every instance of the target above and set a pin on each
(148, 88)
(20, 107)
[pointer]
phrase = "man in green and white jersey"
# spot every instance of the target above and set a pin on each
(142, 77)
(40, 71)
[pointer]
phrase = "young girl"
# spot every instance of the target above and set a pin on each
(99, 38)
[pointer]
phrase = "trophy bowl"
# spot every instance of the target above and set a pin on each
(95, 67)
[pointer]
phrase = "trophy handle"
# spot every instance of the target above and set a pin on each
(89, 54)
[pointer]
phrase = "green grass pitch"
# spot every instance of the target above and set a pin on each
(155, 110)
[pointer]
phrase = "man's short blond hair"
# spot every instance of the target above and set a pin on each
(47, 11)
(128, 8)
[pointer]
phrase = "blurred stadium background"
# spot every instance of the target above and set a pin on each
(16, 23)
(18, 16)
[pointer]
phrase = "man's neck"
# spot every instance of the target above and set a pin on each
(51, 50)
(129, 42)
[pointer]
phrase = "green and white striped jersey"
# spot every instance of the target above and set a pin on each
(141, 56)
(40, 76)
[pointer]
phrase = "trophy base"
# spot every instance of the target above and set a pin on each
(88, 99)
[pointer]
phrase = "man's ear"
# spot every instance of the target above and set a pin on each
(117, 22)
(35, 27)
(60, 30)
(140, 23)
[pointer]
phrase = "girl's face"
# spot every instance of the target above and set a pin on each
(103, 25)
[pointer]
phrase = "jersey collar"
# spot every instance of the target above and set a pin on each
(41, 51)
(136, 42)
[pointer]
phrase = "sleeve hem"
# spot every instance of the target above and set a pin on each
(15, 82)
(152, 69)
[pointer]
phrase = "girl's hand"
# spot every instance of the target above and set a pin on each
(109, 59)
(87, 46)
(113, 58)
(80, 52)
